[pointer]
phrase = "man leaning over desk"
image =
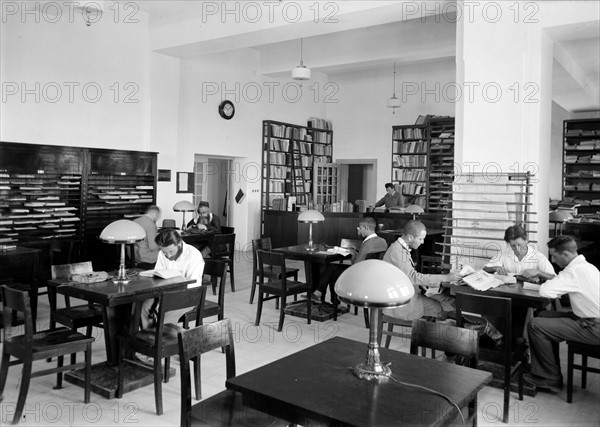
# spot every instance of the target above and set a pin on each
(391, 199)
(581, 281)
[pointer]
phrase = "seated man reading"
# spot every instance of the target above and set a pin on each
(371, 243)
(420, 305)
(204, 219)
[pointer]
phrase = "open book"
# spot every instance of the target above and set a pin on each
(163, 274)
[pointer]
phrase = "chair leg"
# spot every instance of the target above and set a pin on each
(309, 308)
(197, 380)
(253, 288)
(231, 275)
(388, 338)
(521, 382)
(506, 393)
(583, 371)
(120, 373)
(366, 315)
(570, 358)
(259, 306)
(25, 380)
(158, 386)
(282, 312)
(88, 372)
(4, 371)
(59, 375)
(167, 368)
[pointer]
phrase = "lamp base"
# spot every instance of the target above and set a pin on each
(311, 248)
(121, 278)
(365, 371)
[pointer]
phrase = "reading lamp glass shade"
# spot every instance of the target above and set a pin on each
(184, 206)
(122, 231)
(310, 216)
(414, 210)
(393, 102)
(374, 284)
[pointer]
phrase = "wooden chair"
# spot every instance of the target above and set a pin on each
(272, 271)
(389, 332)
(227, 230)
(450, 339)
(222, 249)
(432, 265)
(160, 342)
(510, 354)
(585, 350)
(30, 346)
(80, 316)
(224, 408)
(216, 271)
(278, 288)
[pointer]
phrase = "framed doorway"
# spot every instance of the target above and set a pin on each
(213, 184)
(357, 179)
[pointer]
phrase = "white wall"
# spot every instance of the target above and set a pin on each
(362, 122)
(109, 99)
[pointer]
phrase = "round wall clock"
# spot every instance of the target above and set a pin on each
(226, 109)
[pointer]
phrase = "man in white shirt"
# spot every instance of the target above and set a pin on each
(581, 281)
(174, 254)
(520, 255)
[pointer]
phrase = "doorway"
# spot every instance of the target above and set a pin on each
(357, 179)
(213, 184)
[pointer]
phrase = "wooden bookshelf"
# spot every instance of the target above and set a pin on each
(326, 185)
(423, 162)
(581, 164)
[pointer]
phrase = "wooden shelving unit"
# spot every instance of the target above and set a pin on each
(52, 193)
(290, 153)
(326, 185)
(423, 162)
(581, 164)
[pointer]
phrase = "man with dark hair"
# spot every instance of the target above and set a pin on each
(204, 219)
(392, 197)
(146, 251)
(398, 254)
(372, 243)
(519, 256)
(581, 281)
(177, 255)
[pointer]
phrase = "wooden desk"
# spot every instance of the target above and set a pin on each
(200, 237)
(21, 265)
(317, 384)
(117, 301)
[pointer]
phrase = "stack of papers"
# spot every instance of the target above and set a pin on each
(338, 250)
(482, 281)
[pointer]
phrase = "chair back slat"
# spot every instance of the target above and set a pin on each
(227, 230)
(192, 344)
(376, 255)
(444, 337)
(266, 259)
(175, 300)
(15, 302)
(497, 310)
(63, 271)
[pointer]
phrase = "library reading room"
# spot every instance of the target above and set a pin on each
(294, 213)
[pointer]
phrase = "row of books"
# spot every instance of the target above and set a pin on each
(590, 144)
(283, 131)
(584, 174)
(404, 161)
(581, 132)
(322, 150)
(582, 186)
(411, 188)
(315, 122)
(278, 144)
(409, 147)
(408, 133)
(410, 175)
(321, 137)
(571, 158)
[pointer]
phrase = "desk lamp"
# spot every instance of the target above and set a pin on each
(414, 210)
(184, 206)
(558, 218)
(374, 284)
(122, 232)
(310, 216)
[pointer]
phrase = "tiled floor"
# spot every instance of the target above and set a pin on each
(256, 346)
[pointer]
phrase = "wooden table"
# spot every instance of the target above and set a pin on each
(318, 384)
(199, 237)
(117, 302)
(22, 265)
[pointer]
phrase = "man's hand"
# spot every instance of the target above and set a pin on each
(531, 272)
(201, 227)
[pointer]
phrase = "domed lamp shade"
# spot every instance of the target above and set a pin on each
(310, 216)
(414, 210)
(122, 232)
(184, 206)
(374, 284)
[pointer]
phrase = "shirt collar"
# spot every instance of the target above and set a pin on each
(370, 236)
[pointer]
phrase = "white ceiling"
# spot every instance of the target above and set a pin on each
(363, 44)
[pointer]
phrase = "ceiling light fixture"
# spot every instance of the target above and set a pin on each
(394, 102)
(301, 72)
(91, 11)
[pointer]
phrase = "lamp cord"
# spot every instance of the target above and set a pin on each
(462, 418)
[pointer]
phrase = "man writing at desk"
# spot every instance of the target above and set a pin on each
(581, 281)
(391, 199)
(204, 220)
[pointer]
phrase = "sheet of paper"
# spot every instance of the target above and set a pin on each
(482, 281)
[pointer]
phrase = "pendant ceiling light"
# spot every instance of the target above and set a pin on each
(394, 102)
(301, 72)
